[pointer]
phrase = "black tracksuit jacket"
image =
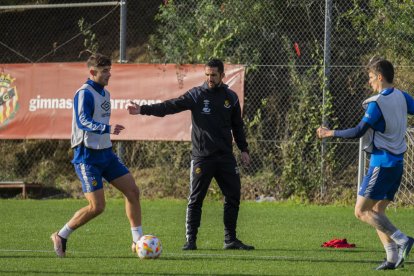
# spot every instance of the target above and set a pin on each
(216, 118)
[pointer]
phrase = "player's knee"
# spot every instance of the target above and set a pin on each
(97, 209)
(133, 194)
(360, 214)
(136, 194)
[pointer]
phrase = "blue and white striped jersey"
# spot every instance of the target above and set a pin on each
(90, 124)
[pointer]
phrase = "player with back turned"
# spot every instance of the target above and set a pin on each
(383, 130)
(216, 119)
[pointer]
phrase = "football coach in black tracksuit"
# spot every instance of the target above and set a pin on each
(216, 119)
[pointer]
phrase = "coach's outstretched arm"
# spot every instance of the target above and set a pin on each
(168, 107)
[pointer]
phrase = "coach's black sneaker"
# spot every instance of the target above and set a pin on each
(386, 266)
(404, 251)
(237, 244)
(190, 245)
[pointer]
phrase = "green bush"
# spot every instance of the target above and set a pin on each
(215, 29)
(301, 150)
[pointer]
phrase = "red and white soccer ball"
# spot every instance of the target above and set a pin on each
(149, 247)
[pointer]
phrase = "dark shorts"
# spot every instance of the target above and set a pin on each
(91, 175)
(381, 182)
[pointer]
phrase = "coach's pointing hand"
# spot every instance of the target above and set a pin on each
(133, 108)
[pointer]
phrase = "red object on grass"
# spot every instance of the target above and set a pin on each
(338, 243)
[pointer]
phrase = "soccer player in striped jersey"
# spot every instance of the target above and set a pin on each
(383, 130)
(93, 156)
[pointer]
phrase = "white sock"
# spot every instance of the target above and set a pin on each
(392, 252)
(136, 233)
(65, 231)
(399, 237)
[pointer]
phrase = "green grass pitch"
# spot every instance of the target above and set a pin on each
(287, 238)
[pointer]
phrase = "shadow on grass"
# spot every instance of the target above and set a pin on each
(262, 258)
(321, 249)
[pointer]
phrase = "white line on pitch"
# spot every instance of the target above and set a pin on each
(202, 255)
(177, 254)
(38, 251)
(24, 250)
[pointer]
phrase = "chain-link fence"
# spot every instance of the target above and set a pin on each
(406, 192)
(305, 66)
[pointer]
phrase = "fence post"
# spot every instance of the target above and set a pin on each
(123, 32)
(361, 164)
(122, 58)
(326, 76)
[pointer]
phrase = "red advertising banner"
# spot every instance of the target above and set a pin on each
(36, 99)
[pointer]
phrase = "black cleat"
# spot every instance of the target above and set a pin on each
(190, 245)
(237, 245)
(404, 251)
(386, 266)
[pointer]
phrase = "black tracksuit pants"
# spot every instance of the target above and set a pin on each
(224, 169)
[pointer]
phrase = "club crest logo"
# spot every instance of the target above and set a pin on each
(227, 103)
(9, 104)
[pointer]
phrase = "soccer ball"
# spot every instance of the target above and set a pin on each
(149, 247)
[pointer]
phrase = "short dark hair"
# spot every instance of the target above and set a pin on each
(98, 60)
(216, 63)
(382, 66)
